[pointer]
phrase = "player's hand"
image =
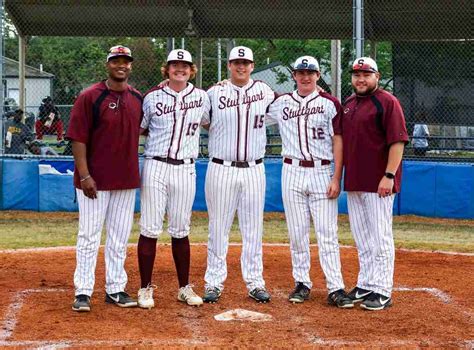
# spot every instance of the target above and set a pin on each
(385, 188)
(163, 83)
(223, 82)
(334, 189)
(89, 188)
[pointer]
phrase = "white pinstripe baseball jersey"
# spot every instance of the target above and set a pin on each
(173, 119)
(237, 131)
(305, 124)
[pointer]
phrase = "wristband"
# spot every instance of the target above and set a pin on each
(390, 176)
(85, 178)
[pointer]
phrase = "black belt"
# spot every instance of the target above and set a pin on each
(306, 163)
(237, 164)
(174, 161)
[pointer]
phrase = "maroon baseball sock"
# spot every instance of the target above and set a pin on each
(181, 256)
(146, 258)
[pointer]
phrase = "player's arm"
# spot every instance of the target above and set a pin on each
(88, 185)
(396, 137)
(334, 188)
(395, 155)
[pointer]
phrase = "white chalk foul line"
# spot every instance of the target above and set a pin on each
(12, 311)
(445, 298)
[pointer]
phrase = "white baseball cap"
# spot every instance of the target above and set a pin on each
(119, 51)
(306, 63)
(365, 64)
(180, 55)
(241, 53)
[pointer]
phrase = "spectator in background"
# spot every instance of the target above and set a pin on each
(38, 148)
(49, 121)
(17, 134)
(420, 134)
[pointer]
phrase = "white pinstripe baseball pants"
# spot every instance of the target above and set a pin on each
(167, 188)
(115, 208)
(230, 189)
(304, 196)
(371, 225)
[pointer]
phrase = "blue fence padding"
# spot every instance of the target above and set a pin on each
(20, 184)
(454, 191)
(428, 189)
(200, 200)
(57, 193)
(273, 197)
(418, 195)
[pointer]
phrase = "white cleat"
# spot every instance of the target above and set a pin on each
(145, 297)
(187, 295)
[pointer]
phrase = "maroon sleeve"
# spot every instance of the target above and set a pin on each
(394, 122)
(337, 119)
(81, 119)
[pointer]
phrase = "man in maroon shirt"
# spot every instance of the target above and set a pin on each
(104, 130)
(374, 136)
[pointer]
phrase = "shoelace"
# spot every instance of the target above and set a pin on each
(189, 292)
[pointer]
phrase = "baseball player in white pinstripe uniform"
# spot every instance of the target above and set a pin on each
(309, 124)
(104, 129)
(235, 179)
(172, 115)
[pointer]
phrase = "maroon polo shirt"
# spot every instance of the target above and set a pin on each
(370, 125)
(108, 122)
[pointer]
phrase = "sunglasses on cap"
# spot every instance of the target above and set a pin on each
(120, 50)
(363, 67)
(306, 66)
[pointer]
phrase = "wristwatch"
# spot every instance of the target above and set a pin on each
(389, 175)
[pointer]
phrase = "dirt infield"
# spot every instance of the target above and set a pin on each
(432, 305)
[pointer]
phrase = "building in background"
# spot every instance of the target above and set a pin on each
(38, 84)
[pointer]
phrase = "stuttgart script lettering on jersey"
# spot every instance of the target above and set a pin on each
(291, 113)
(162, 108)
(225, 102)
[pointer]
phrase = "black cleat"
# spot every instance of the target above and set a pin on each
(300, 293)
(376, 301)
(82, 303)
(211, 295)
(260, 295)
(121, 299)
(340, 299)
(358, 294)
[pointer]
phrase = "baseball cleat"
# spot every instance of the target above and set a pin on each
(187, 295)
(376, 301)
(340, 299)
(260, 295)
(211, 295)
(145, 297)
(299, 294)
(359, 294)
(121, 299)
(82, 303)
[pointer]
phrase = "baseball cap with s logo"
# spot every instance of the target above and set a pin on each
(306, 63)
(180, 55)
(241, 53)
(365, 64)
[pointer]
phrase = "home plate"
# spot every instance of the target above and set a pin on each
(242, 315)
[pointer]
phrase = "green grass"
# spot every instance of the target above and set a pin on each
(32, 229)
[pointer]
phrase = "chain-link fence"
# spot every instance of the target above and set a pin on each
(424, 50)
